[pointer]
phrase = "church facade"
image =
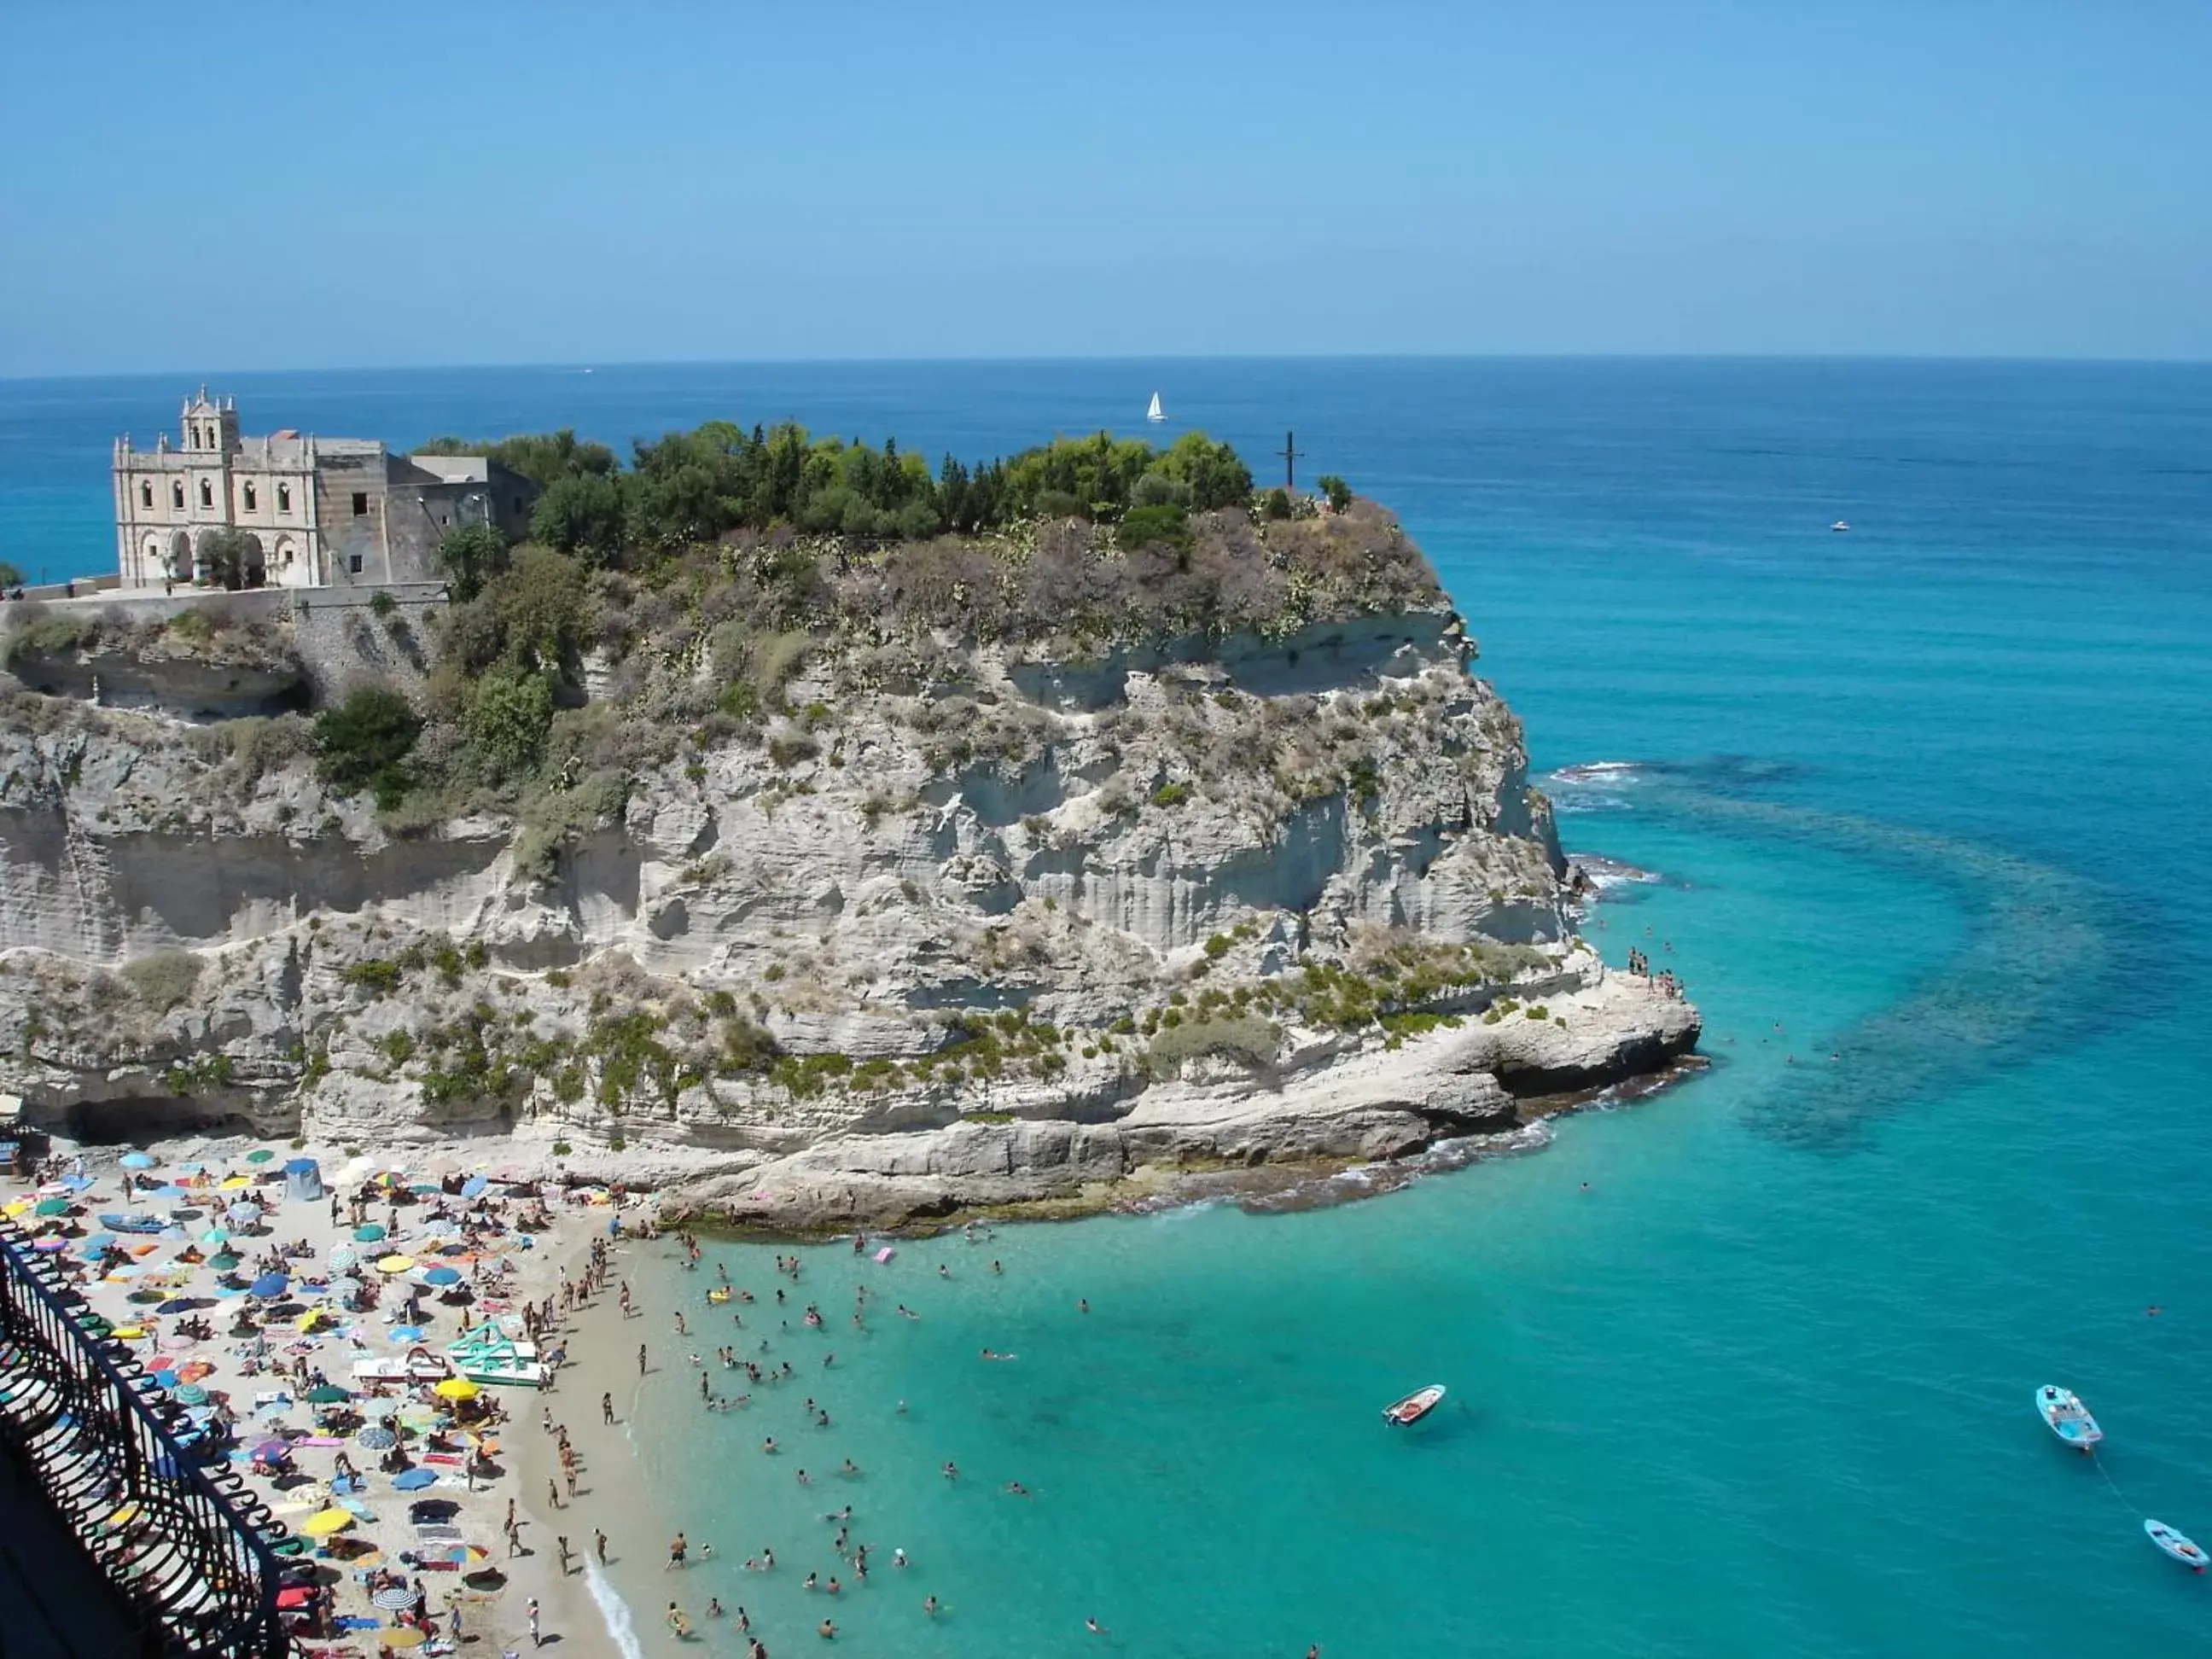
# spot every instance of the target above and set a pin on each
(222, 511)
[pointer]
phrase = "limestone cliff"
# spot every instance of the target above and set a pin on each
(989, 928)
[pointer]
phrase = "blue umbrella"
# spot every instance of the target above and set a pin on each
(136, 1161)
(409, 1333)
(76, 1183)
(473, 1185)
(441, 1276)
(98, 1242)
(413, 1480)
(300, 1164)
(270, 1284)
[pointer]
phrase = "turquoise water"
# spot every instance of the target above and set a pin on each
(1742, 1371)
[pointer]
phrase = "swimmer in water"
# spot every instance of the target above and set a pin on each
(929, 1606)
(1094, 1627)
(951, 1470)
(1015, 1489)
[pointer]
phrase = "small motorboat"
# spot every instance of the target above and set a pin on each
(1840, 527)
(2069, 1419)
(2176, 1546)
(1415, 1405)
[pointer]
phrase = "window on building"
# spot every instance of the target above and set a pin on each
(207, 493)
(249, 498)
(283, 498)
(354, 564)
(176, 494)
(145, 494)
(361, 503)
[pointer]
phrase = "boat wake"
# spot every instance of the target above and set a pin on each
(614, 1611)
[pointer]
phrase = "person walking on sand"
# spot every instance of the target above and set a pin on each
(606, 1408)
(531, 1612)
(599, 1545)
(640, 1359)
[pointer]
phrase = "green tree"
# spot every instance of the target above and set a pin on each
(1338, 491)
(364, 742)
(540, 603)
(471, 556)
(1277, 502)
(581, 514)
(508, 721)
(224, 553)
(9, 575)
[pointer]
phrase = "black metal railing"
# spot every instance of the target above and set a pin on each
(186, 1546)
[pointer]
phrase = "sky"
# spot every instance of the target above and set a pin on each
(295, 186)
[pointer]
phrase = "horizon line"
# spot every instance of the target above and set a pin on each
(578, 366)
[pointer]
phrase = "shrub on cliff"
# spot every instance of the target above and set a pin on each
(162, 980)
(471, 556)
(1246, 1038)
(507, 722)
(364, 742)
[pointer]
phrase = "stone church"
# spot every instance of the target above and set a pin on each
(310, 512)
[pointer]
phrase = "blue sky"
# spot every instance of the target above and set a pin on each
(321, 186)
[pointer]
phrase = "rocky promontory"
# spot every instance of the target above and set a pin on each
(819, 878)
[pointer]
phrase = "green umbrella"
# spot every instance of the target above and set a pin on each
(52, 1206)
(222, 1263)
(367, 1233)
(215, 1238)
(259, 1155)
(327, 1394)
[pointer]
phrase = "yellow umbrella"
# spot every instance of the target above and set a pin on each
(395, 1264)
(17, 1207)
(401, 1635)
(233, 1184)
(323, 1522)
(313, 1317)
(456, 1387)
(130, 1333)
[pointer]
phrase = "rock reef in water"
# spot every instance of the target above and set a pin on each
(983, 922)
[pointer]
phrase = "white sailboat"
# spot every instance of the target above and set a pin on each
(1153, 413)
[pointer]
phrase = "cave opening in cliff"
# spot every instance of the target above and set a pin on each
(138, 1118)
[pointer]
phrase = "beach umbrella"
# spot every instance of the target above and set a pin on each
(410, 1333)
(456, 1387)
(379, 1410)
(268, 1451)
(413, 1480)
(394, 1598)
(191, 1393)
(52, 1206)
(368, 1234)
(395, 1264)
(473, 1186)
(98, 1242)
(76, 1183)
(326, 1394)
(215, 1238)
(376, 1439)
(137, 1161)
(259, 1155)
(270, 1284)
(323, 1522)
(15, 1207)
(223, 1261)
(244, 1215)
(343, 1255)
(234, 1184)
(441, 1276)
(55, 1244)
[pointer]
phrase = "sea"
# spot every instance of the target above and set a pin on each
(1918, 811)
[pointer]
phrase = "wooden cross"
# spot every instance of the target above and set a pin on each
(1290, 452)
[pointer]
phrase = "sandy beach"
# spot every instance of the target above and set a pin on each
(260, 1311)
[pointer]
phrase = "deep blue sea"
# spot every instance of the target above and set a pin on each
(1744, 1371)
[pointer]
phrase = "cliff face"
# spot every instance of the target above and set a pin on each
(985, 934)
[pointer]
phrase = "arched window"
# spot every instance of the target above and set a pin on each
(249, 498)
(176, 494)
(283, 498)
(145, 493)
(207, 493)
